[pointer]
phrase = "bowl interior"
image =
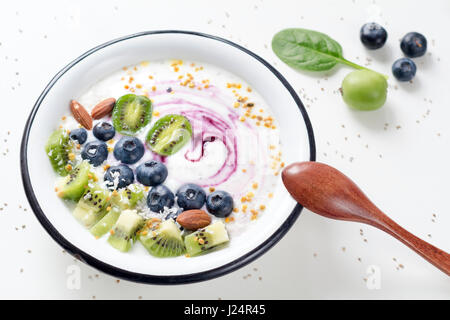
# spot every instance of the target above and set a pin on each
(100, 62)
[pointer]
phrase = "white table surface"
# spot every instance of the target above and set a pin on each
(399, 155)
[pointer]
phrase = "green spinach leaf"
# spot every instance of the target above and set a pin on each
(308, 50)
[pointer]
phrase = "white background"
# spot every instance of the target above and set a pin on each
(399, 155)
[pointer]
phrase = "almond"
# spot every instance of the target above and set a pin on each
(80, 114)
(194, 219)
(103, 108)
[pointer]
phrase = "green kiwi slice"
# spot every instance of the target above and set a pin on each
(106, 223)
(169, 134)
(73, 185)
(89, 209)
(58, 148)
(124, 232)
(162, 239)
(203, 240)
(131, 113)
(126, 198)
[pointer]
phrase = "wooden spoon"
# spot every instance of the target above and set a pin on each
(328, 192)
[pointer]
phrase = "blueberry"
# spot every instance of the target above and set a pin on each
(95, 152)
(173, 215)
(159, 197)
(219, 203)
(191, 196)
(129, 150)
(373, 36)
(404, 69)
(119, 176)
(414, 45)
(104, 131)
(151, 173)
(78, 135)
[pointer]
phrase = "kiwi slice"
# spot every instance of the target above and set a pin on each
(73, 185)
(169, 134)
(162, 239)
(58, 148)
(106, 223)
(205, 239)
(126, 198)
(131, 113)
(89, 209)
(124, 232)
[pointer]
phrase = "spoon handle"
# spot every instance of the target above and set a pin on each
(328, 192)
(432, 254)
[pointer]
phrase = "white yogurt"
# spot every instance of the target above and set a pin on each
(235, 145)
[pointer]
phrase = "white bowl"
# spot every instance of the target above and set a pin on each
(296, 136)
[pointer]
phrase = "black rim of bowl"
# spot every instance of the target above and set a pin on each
(146, 278)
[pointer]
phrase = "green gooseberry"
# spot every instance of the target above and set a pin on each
(364, 90)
